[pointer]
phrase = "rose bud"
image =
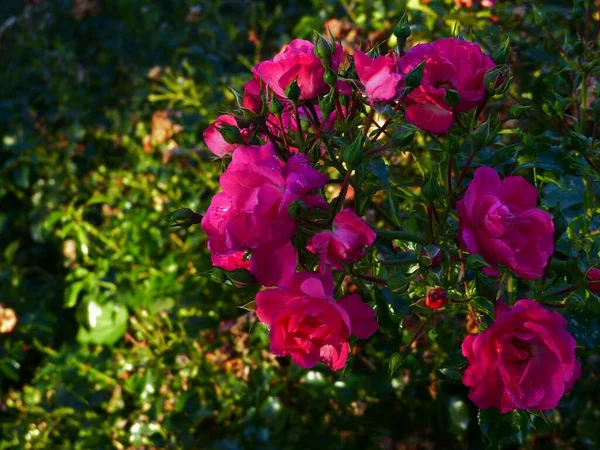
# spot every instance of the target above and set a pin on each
(593, 277)
(436, 298)
(432, 256)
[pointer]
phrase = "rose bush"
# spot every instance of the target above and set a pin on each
(473, 236)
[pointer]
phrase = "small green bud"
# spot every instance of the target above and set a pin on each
(402, 30)
(275, 107)
(452, 98)
(330, 77)
(354, 154)
(292, 92)
(492, 79)
(578, 12)
(184, 218)
(323, 48)
(231, 134)
(484, 134)
(326, 105)
(431, 189)
(501, 54)
(415, 76)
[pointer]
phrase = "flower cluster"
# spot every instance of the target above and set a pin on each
(308, 126)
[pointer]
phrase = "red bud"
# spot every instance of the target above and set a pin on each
(436, 298)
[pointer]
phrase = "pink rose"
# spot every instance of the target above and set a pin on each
(593, 276)
(451, 64)
(215, 141)
(251, 212)
(524, 360)
(309, 325)
(499, 221)
(297, 61)
(380, 76)
(346, 243)
(252, 99)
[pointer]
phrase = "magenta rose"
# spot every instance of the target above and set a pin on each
(298, 62)
(380, 76)
(251, 212)
(309, 325)
(450, 64)
(346, 243)
(499, 221)
(524, 360)
(215, 141)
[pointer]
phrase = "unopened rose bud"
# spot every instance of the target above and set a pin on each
(275, 107)
(330, 77)
(183, 218)
(292, 92)
(323, 48)
(432, 256)
(231, 134)
(326, 105)
(402, 30)
(593, 277)
(436, 298)
(431, 189)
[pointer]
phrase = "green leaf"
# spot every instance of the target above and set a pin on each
(476, 262)
(72, 293)
(396, 362)
(106, 323)
(502, 429)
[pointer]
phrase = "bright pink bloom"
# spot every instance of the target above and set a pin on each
(499, 221)
(380, 76)
(252, 100)
(346, 243)
(251, 213)
(593, 276)
(451, 64)
(297, 61)
(214, 140)
(524, 360)
(309, 325)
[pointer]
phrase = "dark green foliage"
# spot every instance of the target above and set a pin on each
(126, 336)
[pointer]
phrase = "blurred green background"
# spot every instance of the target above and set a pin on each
(121, 343)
